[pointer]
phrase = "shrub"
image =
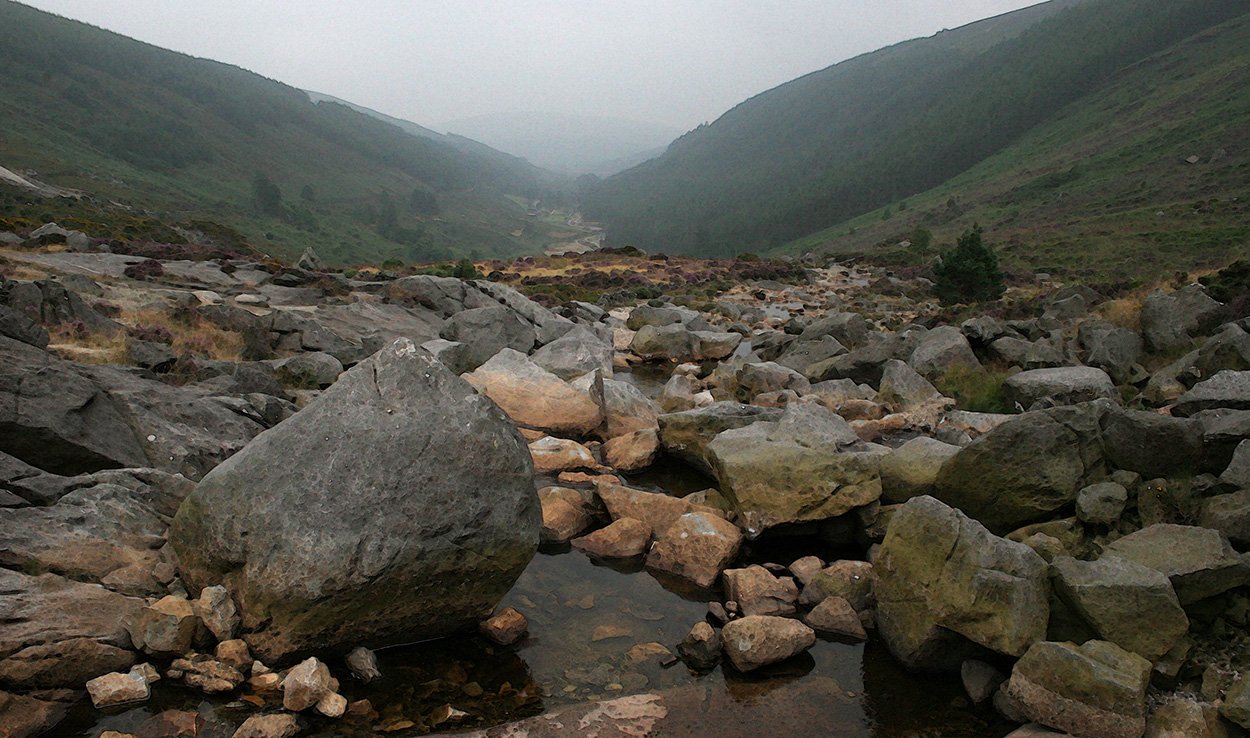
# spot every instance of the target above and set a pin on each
(151, 333)
(465, 270)
(975, 390)
(969, 272)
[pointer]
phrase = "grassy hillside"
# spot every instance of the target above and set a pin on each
(1107, 187)
(885, 126)
(185, 138)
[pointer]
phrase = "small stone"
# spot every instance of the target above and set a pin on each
(505, 627)
(606, 632)
(759, 640)
(147, 671)
(980, 680)
(172, 724)
(332, 705)
(1101, 504)
(805, 568)
(717, 611)
(218, 612)
(624, 538)
(264, 682)
(258, 668)
(305, 685)
(835, 615)
(473, 689)
(282, 725)
(234, 653)
(363, 664)
(645, 652)
(447, 714)
(701, 648)
(361, 709)
(118, 689)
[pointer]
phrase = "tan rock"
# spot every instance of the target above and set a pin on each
(282, 725)
(1184, 718)
(118, 689)
(608, 632)
(565, 514)
(505, 627)
(759, 640)
(305, 685)
(835, 615)
(218, 612)
(584, 478)
(165, 628)
(659, 511)
(234, 653)
(622, 539)
(332, 705)
(552, 455)
(758, 592)
(534, 397)
(697, 547)
(632, 452)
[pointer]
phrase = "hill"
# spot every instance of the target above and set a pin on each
(1146, 176)
(568, 143)
(164, 134)
(884, 126)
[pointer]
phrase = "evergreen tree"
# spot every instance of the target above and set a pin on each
(969, 272)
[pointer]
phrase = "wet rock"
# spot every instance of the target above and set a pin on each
(1024, 469)
(807, 466)
(1199, 562)
(305, 685)
(697, 547)
(218, 612)
(1096, 689)
(1185, 718)
(632, 452)
(912, 469)
(687, 434)
(851, 580)
(165, 628)
(118, 689)
(1058, 386)
(488, 330)
(384, 528)
(1172, 320)
(760, 640)
(1101, 504)
(701, 648)
(565, 514)
(363, 664)
(505, 627)
(553, 455)
(1229, 514)
(980, 680)
(835, 616)
(1125, 603)
(534, 397)
(940, 570)
(659, 511)
(941, 349)
(1226, 390)
(623, 538)
(282, 725)
(758, 592)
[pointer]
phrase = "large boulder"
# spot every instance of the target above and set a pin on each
(807, 466)
(1095, 689)
(659, 511)
(1059, 386)
(1131, 605)
(802, 354)
(903, 389)
(912, 469)
(1172, 320)
(697, 547)
(534, 397)
(1200, 562)
(403, 508)
(575, 353)
(1227, 389)
(760, 640)
(487, 330)
(20, 327)
(1113, 349)
(1026, 468)
(59, 633)
(941, 572)
(1230, 515)
(672, 342)
(647, 315)
(848, 329)
(687, 434)
(1151, 444)
(941, 349)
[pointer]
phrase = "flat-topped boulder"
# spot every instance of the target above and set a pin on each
(1058, 386)
(420, 535)
(534, 397)
(1200, 562)
(1226, 390)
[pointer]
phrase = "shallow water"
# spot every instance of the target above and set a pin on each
(598, 632)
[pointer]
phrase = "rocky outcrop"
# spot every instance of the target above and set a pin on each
(439, 486)
(940, 572)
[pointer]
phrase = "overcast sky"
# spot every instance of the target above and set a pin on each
(672, 62)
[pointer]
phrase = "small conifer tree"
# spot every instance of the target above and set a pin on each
(969, 272)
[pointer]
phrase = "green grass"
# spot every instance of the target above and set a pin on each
(975, 390)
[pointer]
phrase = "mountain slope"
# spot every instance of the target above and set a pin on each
(1146, 176)
(866, 132)
(191, 138)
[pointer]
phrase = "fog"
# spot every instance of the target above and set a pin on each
(668, 63)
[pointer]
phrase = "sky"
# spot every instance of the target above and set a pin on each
(676, 63)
